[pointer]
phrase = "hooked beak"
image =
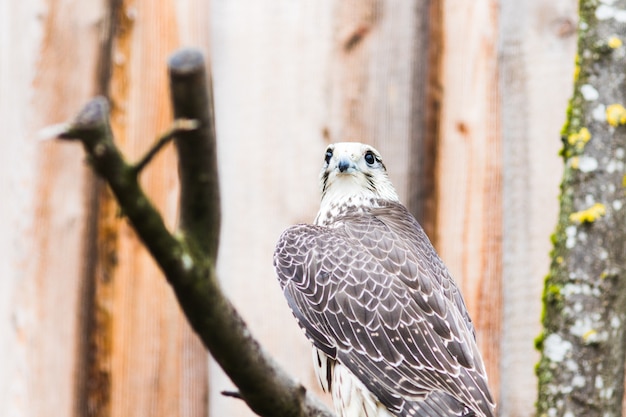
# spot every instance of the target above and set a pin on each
(345, 166)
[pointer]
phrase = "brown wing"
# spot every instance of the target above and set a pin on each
(371, 292)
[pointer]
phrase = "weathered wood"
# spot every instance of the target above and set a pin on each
(377, 71)
(183, 256)
(148, 341)
(44, 209)
(289, 79)
(537, 45)
(421, 197)
(469, 168)
(268, 62)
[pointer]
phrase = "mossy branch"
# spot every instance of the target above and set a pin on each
(187, 257)
(583, 343)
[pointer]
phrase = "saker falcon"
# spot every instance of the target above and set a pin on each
(390, 331)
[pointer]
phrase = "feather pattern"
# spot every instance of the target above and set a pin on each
(372, 293)
(378, 304)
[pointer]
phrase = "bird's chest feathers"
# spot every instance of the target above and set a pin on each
(332, 210)
(342, 198)
(353, 194)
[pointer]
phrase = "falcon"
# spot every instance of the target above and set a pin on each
(390, 331)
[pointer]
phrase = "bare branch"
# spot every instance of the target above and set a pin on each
(178, 127)
(188, 259)
(232, 394)
(192, 98)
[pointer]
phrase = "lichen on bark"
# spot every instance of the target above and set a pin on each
(581, 370)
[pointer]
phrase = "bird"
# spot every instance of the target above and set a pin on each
(390, 330)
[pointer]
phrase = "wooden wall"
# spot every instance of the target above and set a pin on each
(464, 99)
(536, 45)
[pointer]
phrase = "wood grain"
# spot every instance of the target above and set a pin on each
(289, 78)
(157, 365)
(376, 73)
(269, 61)
(537, 47)
(421, 197)
(44, 207)
(287, 82)
(469, 168)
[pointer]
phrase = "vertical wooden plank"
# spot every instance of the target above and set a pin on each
(193, 19)
(289, 78)
(44, 210)
(537, 44)
(421, 197)
(469, 228)
(377, 72)
(47, 273)
(156, 365)
(323, 72)
(269, 61)
(17, 182)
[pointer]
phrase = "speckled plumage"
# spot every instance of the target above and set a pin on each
(391, 333)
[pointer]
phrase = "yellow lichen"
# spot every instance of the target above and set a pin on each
(579, 139)
(576, 68)
(589, 334)
(559, 260)
(614, 42)
(589, 215)
(624, 181)
(616, 114)
(574, 162)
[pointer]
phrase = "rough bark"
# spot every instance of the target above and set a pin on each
(581, 371)
(187, 257)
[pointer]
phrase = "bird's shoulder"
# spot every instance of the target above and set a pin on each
(381, 242)
(369, 290)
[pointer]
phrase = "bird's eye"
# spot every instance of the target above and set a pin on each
(370, 158)
(329, 154)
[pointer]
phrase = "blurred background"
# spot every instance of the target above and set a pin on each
(464, 99)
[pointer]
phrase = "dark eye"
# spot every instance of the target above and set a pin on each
(370, 158)
(329, 154)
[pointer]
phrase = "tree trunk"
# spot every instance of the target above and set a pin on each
(581, 371)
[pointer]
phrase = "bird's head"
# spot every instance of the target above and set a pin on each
(352, 172)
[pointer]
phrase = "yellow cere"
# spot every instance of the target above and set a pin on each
(589, 215)
(579, 139)
(616, 114)
(614, 42)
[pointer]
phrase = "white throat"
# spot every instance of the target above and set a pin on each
(352, 191)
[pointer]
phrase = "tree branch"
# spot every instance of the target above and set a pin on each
(192, 98)
(179, 127)
(188, 259)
